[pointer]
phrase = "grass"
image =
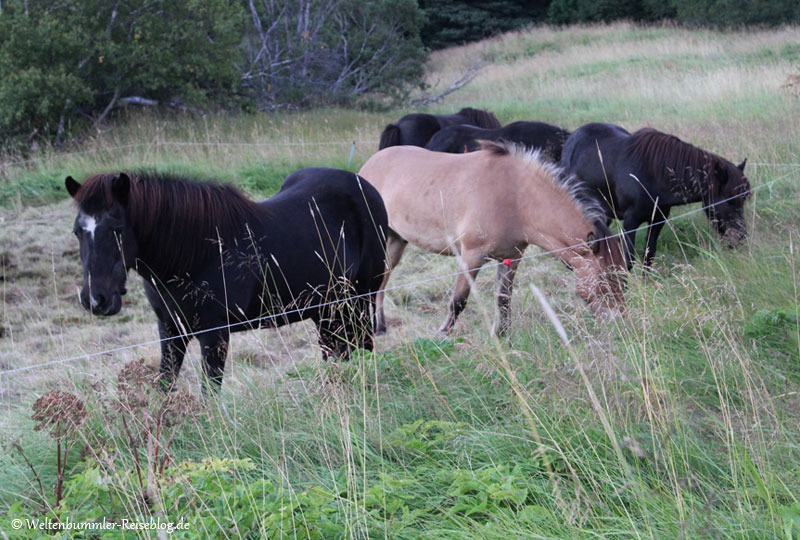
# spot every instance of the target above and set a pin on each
(685, 425)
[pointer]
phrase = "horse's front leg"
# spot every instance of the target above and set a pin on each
(395, 246)
(214, 348)
(630, 222)
(505, 283)
(173, 350)
(652, 236)
(471, 263)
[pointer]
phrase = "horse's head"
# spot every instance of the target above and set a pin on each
(107, 244)
(729, 190)
(606, 289)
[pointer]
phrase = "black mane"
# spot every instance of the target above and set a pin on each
(180, 219)
(672, 162)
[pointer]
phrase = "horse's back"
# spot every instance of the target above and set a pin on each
(413, 129)
(592, 147)
(317, 205)
(591, 153)
(464, 138)
(417, 129)
(547, 137)
(458, 139)
(434, 198)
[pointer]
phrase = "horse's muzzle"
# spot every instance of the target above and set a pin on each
(734, 237)
(100, 304)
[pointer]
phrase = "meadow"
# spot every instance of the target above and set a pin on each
(680, 420)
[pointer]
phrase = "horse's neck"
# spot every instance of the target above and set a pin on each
(555, 223)
(688, 186)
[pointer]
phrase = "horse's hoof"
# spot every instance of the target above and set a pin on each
(444, 332)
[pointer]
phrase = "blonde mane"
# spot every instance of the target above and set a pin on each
(563, 181)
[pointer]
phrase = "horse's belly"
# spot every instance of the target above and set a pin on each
(426, 235)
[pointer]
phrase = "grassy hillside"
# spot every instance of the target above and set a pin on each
(681, 420)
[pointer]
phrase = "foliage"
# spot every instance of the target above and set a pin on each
(303, 53)
(453, 23)
(67, 63)
(728, 13)
(571, 11)
(714, 13)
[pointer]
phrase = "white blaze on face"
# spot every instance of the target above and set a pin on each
(88, 224)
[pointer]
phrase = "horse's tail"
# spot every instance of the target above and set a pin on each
(370, 213)
(480, 118)
(390, 136)
(374, 227)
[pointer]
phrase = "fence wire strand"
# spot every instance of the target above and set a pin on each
(256, 321)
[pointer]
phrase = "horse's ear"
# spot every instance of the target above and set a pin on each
(72, 186)
(120, 188)
(741, 165)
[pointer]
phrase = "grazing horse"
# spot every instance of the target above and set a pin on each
(416, 129)
(215, 262)
(492, 204)
(458, 139)
(639, 177)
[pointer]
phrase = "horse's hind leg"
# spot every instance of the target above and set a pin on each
(471, 263)
(505, 282)
(395, 246)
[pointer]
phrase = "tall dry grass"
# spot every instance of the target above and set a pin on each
(680, 420)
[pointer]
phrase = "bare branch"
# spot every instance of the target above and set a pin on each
(107, 110)
(463, 81)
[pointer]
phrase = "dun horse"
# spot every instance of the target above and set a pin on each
(416, 129)
(214, 262)
(638, 178)
(464, 138)
(491, 204)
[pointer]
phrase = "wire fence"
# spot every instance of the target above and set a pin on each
(217, 144)
(272, 316)
(207, 144)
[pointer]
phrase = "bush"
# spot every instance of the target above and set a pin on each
(70, 63)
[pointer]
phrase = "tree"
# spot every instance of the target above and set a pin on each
(72, 62)
(456, 22)
(302, 53)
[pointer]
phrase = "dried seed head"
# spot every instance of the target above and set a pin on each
(179, 406)
(134, 382)
(60, 412)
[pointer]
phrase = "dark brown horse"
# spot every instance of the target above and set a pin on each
(465, 138)
(638, 178)
(416, 129)
(214, 262)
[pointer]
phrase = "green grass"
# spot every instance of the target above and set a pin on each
(687, 424)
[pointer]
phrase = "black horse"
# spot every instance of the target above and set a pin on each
(639, 177)
(416, 129)
(215, 262)
(458, 139)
